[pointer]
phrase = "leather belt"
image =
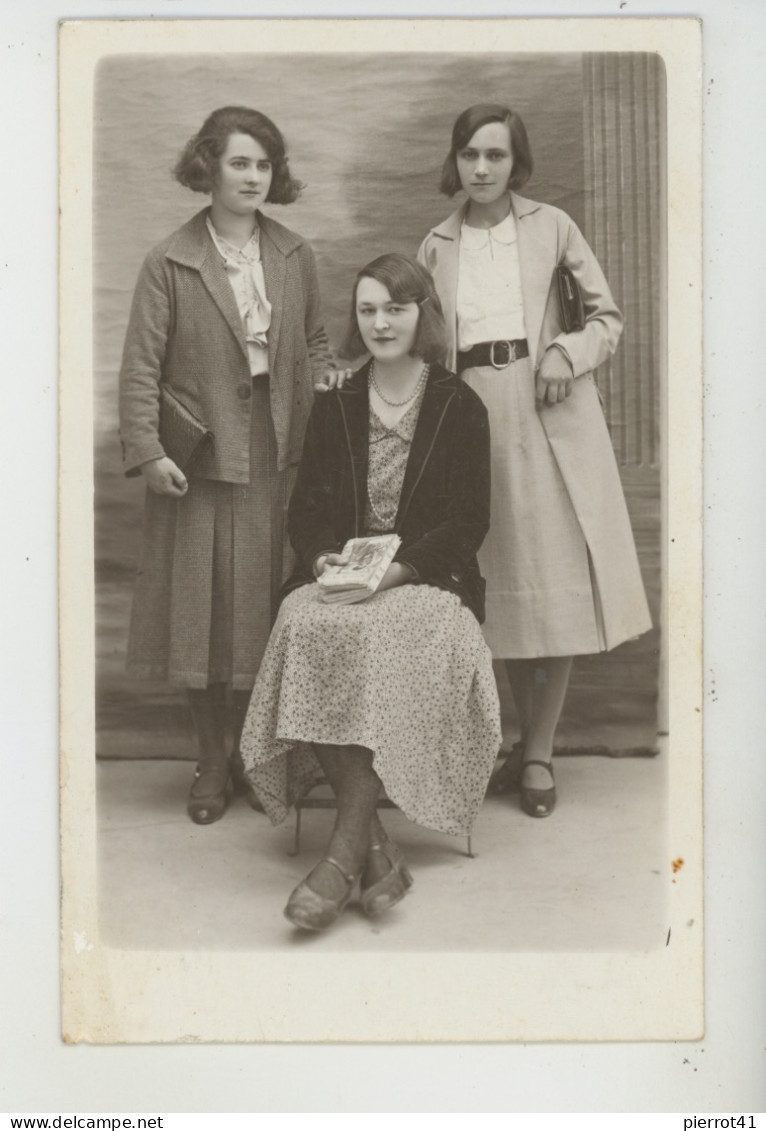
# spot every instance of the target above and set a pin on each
(498, 354)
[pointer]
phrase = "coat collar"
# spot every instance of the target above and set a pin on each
(536, 261)
(449, 229)
(192, 247)
(191, 244)
(355, 410)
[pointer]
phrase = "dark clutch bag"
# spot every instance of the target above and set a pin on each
(570, 299)
(184, 437)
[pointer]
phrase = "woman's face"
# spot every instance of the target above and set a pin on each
(485, 164)
(244, 175)
(388, 328)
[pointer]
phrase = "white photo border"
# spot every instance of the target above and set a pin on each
(113, 996)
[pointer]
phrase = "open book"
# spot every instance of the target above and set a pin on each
(365, 562)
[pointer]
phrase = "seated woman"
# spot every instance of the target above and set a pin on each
(398, 689)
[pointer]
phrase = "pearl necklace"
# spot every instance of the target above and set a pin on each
(385, 521)
(373, 384)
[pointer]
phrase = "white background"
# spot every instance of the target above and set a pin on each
(722, 1073)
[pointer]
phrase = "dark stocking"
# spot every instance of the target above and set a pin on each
(356, 787)
(240, 701)
(208, 711)
(207, 798)
(242, 787)
(331, 761)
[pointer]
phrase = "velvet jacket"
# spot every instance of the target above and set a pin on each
(185, 329)
(443, 514)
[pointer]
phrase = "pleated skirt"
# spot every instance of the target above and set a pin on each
(211, 568)
(542, 597)
(406, 674)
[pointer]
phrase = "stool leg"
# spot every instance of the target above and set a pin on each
(469, 848)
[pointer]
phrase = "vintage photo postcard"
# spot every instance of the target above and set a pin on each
(334, 279)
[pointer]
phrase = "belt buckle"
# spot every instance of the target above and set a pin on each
(510, 346)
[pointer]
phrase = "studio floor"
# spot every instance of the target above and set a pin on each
(593, 876)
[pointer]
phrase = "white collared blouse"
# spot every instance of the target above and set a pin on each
(490, 305)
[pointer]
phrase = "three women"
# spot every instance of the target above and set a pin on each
(397, 691)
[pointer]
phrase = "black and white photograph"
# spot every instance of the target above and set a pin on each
(420, 290)
(602, 954)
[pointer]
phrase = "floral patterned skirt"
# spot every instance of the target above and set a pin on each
(406, 674)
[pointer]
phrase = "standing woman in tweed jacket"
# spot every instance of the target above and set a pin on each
(226, 314)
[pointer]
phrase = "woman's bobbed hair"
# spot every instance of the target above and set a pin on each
(197, 167)
(406, 281)
(466, 126)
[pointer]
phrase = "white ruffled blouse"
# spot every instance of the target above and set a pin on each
(245, 273)
(490, 305)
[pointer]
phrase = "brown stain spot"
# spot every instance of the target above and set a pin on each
(677, 865)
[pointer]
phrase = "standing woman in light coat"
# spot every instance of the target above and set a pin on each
(225, 315)
(562, 572)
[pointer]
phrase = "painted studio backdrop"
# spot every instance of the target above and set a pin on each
(368, 134)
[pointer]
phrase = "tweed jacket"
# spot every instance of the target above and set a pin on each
(575, 428)
(443, 514)
(185, 329)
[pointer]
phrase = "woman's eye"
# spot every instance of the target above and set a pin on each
(264, 166)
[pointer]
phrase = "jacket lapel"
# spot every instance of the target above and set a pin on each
(274, 272)
(445, 271)
(193, 247)
(439, 392)
(355, 411)
(214, 277)
(537, 262)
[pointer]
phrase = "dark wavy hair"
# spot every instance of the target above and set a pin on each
(406, 281)
(466, 126)
(197, 167)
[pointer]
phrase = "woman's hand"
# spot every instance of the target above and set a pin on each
(554, 379)
(324, 560)
(334, 379)
(164, 477)
(396, 574)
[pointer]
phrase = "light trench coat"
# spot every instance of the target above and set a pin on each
(575, 428)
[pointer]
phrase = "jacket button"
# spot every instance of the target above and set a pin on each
(244, 390)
